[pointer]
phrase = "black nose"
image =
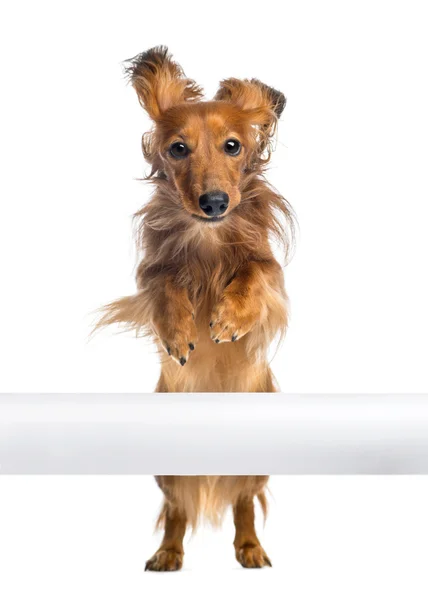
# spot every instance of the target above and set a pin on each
(214, 203)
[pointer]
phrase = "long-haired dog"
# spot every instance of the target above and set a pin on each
(210, 292)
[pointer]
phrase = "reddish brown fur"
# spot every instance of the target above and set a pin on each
(200, 281)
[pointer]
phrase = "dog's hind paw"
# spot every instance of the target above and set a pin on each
(252, 556)
(165, 560)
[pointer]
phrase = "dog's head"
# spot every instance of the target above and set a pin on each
(204, 149)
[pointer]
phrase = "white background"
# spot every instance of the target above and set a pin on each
(351, 158)
(328, 538)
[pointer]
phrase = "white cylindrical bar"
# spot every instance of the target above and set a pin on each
(228, 434)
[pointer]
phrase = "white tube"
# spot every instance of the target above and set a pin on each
(229, 434)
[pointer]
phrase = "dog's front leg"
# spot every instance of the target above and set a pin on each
(161, 308)
(173, 320)
(255, 296)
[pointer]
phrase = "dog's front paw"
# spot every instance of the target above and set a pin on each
(233, 317)
(165, 560)
(252, 556)
(177, 333)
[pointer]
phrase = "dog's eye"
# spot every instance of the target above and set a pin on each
(232, 147)
(178, 150)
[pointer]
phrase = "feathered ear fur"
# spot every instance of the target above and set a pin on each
(263, 105)
(252, 95)
(160, 82)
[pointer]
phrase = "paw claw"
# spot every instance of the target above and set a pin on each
(231, 319)
(178, 339)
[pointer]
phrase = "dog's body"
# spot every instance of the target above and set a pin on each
(210, 291)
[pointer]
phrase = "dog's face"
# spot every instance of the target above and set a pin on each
(203, 148)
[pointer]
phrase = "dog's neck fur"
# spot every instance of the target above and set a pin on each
(169, 237)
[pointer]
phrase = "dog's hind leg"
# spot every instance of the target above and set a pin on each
(248, 549)
(182, 506)
(169, 557)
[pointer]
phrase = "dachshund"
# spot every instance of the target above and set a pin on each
(209, 291)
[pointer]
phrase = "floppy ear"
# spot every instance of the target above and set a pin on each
(160, 82)
(253, 96)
